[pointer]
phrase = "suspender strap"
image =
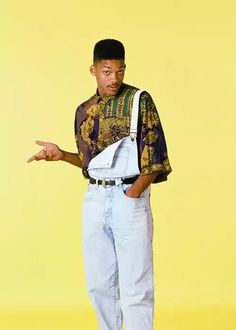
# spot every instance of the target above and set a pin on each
(134, 115)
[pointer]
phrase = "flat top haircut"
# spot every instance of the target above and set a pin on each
(108, 49)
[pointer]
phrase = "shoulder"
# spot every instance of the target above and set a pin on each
(127, 93)
(146, 102)
(81, 111)
(127, 90)
(86, 104)
(145, 95)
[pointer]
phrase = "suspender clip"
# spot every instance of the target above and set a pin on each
(133, 135)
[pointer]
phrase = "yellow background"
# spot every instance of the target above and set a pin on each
(183, 53)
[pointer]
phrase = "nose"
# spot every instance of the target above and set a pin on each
(114, 78)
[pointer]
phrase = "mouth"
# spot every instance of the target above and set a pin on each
(113, 87)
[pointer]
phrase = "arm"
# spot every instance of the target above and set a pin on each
(71, 158)
(51, 152)
(154, 162)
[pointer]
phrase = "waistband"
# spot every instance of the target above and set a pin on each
(111, 182)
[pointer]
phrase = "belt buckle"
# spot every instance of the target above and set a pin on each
(103, 183)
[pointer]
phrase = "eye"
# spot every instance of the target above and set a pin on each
(121, 72)
(106, 73)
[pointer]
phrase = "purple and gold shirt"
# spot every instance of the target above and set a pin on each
(101, 121)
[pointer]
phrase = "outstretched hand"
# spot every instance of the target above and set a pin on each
(49, 152)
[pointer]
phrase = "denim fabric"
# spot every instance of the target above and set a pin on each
(119, 160)
(117, 248)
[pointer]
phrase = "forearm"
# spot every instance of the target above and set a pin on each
(71, 158)
(141, 184)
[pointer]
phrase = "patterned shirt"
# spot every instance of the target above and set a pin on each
(101, 121)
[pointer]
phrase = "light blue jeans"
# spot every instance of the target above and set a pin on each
(117, 246)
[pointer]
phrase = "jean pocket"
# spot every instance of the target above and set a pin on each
(125, 188)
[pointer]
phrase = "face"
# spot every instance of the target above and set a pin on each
(109, 75)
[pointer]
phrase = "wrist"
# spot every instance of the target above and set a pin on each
(132, 193)
(62, 157)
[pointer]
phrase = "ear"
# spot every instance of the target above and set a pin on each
(92, 70)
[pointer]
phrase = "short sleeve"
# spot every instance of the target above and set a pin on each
(152, 143)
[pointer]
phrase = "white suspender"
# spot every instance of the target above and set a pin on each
(134, 115)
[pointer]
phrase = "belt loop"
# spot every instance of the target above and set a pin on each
(133, 136)
(118, 181)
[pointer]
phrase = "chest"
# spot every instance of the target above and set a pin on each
(106, 122)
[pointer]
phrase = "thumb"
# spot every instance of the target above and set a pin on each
(41, 143)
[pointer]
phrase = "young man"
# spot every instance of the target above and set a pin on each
(121, 150)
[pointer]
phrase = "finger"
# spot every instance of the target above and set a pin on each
(50, 153)
(47, 152)
(40, 155)
(41, 143)
(44, 154)
(31, 159)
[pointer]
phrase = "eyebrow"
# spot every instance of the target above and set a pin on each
(108, 67)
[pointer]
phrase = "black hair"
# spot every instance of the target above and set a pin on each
(108, 49)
